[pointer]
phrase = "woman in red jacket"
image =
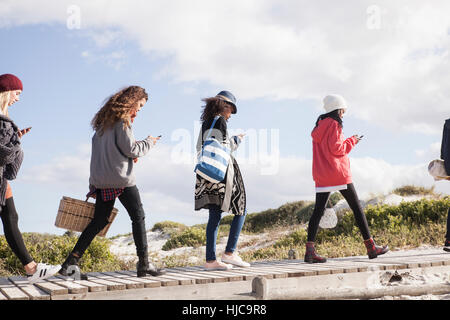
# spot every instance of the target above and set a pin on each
(331, 172)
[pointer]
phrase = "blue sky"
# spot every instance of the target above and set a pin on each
(279, 62)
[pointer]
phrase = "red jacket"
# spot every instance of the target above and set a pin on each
(331, 166)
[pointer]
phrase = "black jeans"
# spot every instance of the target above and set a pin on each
(131, 200)
(12, 233)
(352, 200)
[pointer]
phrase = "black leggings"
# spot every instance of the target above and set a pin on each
(447, 236)
(352, 200)
(12, 233)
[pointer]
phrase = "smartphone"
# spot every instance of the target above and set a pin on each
(159, 136)
(360, 137)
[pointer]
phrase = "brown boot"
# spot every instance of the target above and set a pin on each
(373, 250)
(311, 256)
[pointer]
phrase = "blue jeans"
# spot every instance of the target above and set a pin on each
(215, 214)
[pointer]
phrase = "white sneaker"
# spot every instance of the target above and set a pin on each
(217, 265)
(43, 271)
(235, 260)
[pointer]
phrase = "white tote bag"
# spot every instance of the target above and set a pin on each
(437, 170)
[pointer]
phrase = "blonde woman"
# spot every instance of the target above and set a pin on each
(114, 151)
(11, 157)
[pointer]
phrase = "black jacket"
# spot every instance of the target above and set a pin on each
(445, 146)
(11, 154)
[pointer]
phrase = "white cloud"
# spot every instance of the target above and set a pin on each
(432, 152)
(395, 74)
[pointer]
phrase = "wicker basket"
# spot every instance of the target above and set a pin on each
(75, 215)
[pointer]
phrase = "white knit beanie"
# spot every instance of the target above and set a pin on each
(333, 102)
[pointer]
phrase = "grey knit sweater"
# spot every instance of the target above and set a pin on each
(11, 154)
(112, 157)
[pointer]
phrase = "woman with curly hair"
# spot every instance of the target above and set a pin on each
(227, 195)
(11, 157)
(114, 151)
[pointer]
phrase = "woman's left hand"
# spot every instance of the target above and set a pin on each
(23, 131)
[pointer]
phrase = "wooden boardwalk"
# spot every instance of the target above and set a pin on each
(18, 288)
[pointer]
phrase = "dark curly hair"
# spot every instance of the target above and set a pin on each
(213, 106)
(117, 107)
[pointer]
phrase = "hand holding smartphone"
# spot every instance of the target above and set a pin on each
(23, 131)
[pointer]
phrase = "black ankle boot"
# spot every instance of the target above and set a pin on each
(311, 256)
(70, 267)
(373, 250)
(144, 268)
(447, 245)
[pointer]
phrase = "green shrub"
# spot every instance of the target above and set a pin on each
(54, 249)
(190, 237)
(168, 226)
(286, 215)
(409, 224)
(304, 214)
(413, 190)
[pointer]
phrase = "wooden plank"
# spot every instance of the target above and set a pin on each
(229, 274)
(110, 285)
(164, 282)
(51, 288)
(235, 274)
(299, 271)
(124, 284)
(319, 269)
(33, 292)
(292, 271)
(10, 291)
(91, 286)
(198, 278)
(148, 283)
(2, 297)
(182, 280)
(261, 272)
(69, 284)
(213, 277)
(345, 267)
(130, 283)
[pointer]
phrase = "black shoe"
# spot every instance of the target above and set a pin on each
(70, 268)
(447, 245)
(144, 269)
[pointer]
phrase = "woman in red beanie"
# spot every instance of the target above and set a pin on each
(331, 172)
(11, 156)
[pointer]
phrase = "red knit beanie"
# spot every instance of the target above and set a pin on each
(9, 82)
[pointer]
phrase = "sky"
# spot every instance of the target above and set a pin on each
(389, 59)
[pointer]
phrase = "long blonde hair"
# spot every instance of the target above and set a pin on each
(118, 107)
(5, 98)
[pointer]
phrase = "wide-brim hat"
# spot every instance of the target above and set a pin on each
(334, 102)
(227, 96)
